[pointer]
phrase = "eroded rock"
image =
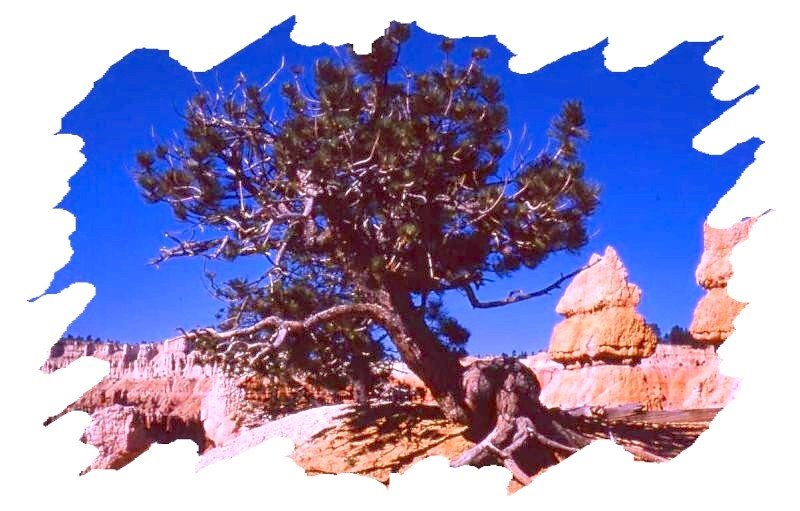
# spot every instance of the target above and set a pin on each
(119, 433)
(675, 377)
(712, 321)
(601, 322)
(154, 392)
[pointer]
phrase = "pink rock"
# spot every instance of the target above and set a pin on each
(119, 433)
(601, 320)
(603, 285)
(219, 409)
(543, 366)
(713, 317)
(715, 269)
(610, 334)
(673, 378)
(154, 392)
(712, 321)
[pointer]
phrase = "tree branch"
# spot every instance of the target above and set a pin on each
(284, 327)
(518, 296)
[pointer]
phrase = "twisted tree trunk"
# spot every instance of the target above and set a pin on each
(510, 424)
(497, 399)
(424, 354)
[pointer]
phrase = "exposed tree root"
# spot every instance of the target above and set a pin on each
(513, 428)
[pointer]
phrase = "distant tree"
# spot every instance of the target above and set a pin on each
(379, 192)
(679, 335)
(655, 328)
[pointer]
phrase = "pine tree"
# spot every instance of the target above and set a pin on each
(657, 330)
(679, 335)
(377, 194)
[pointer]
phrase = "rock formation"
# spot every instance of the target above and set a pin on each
(673, 378)
(119, 433)
(157, 392)
(601, 322)
(161, 392)
(713, 317)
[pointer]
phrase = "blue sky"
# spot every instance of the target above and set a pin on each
(656, 189)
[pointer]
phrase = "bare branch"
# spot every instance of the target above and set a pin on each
(187, 248)
(284, 326)
(275, 74)
(518, 296)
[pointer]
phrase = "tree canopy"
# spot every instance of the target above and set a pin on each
(374, 192)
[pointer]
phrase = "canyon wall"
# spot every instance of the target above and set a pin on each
(155, 392)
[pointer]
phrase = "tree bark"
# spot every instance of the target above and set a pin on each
(424, 355)
(361, 378)
(498, 399)
(510, 424)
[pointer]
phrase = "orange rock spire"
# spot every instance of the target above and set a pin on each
(601, 319)
(713, 317)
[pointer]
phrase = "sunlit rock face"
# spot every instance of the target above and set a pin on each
(604, 354)
(601, 322)
(161, 392)
(133, 361)
(674, 377)
(713, 317)
(154, 392)
(119, 433)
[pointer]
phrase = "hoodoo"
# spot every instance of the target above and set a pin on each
(601, 322)
(713, 317)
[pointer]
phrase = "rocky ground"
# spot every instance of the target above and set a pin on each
(388, 438)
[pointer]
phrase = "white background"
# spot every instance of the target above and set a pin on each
(52, 52)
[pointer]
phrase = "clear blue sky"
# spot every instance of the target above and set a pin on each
(656, 191)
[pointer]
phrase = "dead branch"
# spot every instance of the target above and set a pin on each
(283, 326)
(519, 296)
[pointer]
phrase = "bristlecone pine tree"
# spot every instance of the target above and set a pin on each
(378, 192)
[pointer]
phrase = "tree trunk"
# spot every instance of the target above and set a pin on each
(422, 352)
(510, 424)
(498, 399)
(361, 377)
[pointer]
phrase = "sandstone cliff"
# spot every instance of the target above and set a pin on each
(156, 392)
